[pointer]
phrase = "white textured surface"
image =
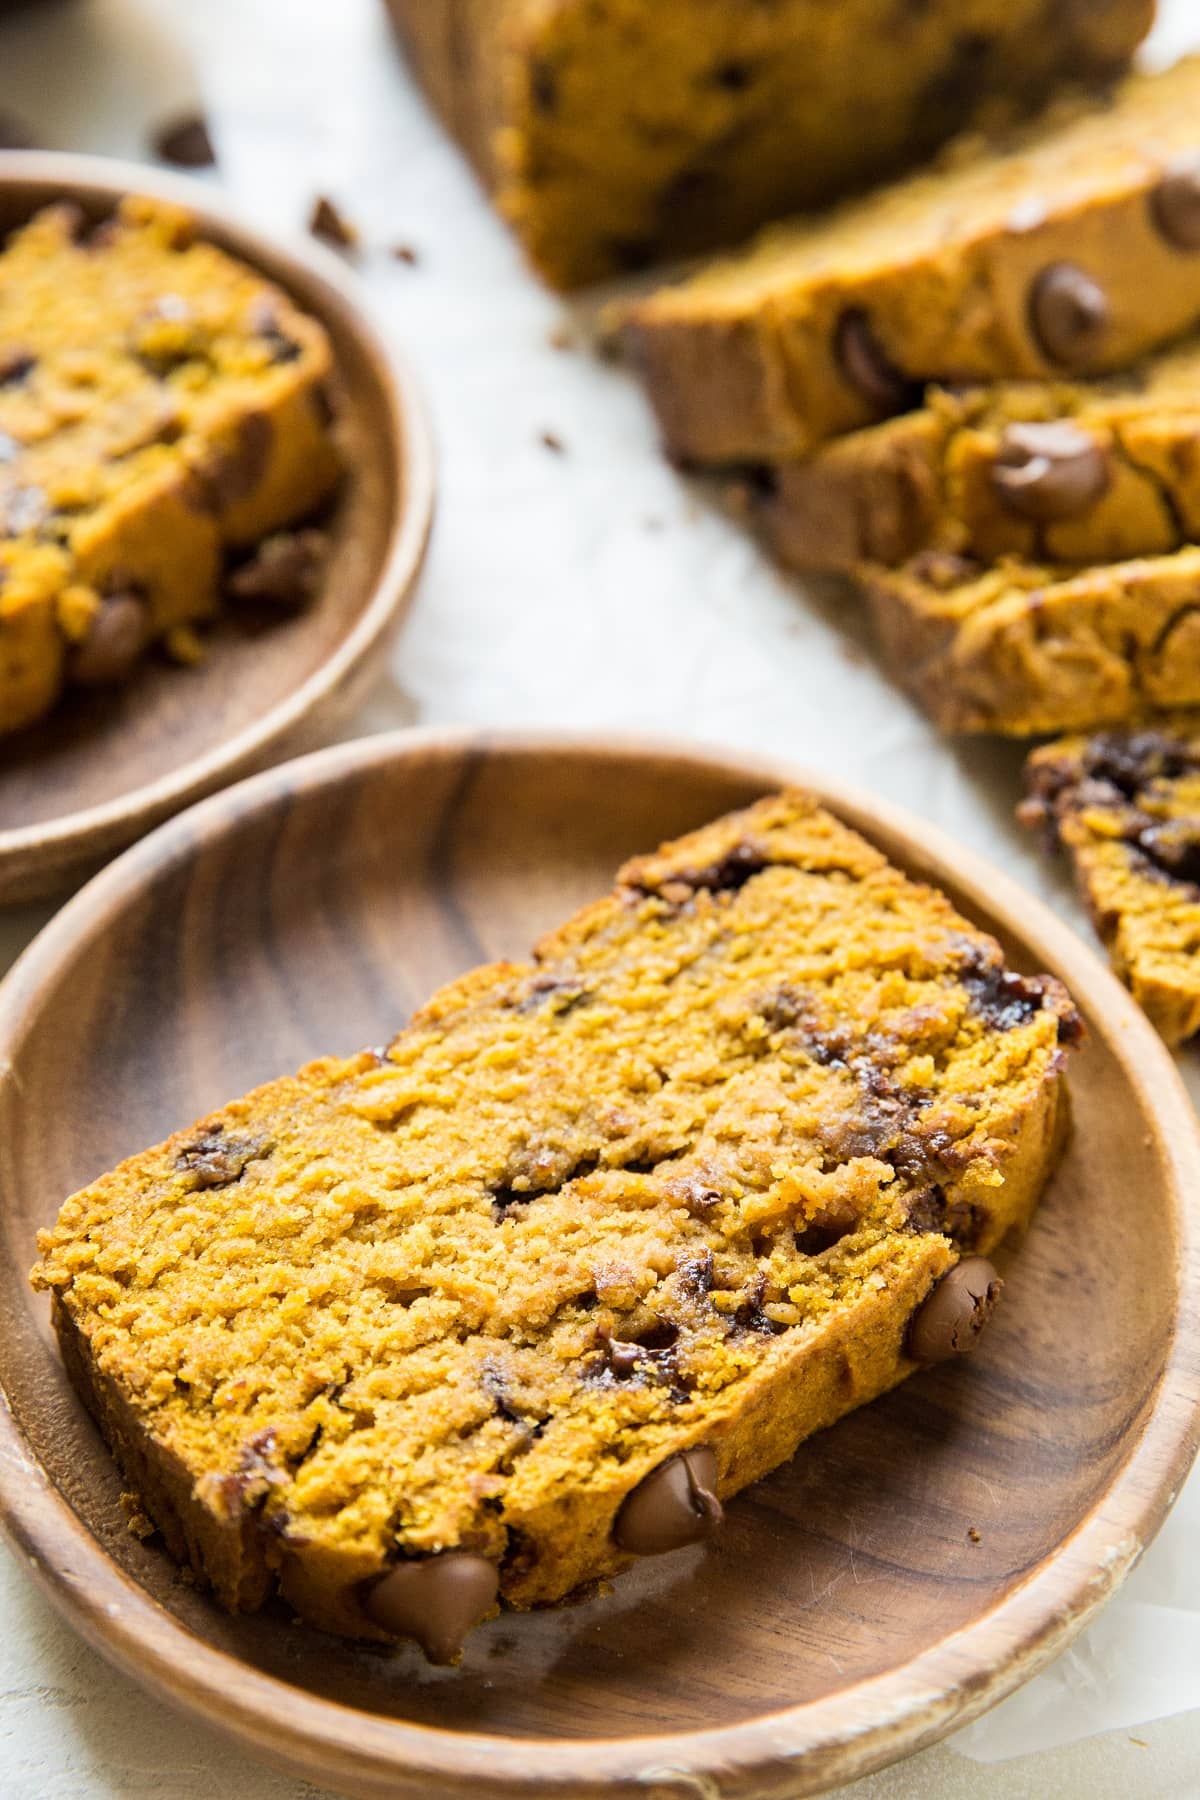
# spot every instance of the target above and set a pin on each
(583, 589)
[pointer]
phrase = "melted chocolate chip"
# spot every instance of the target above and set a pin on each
(1174, 848)
(436, 1600)
(726, 876)
(16, 365)
(185, 142)
(1131, 760)
(867, 366)
(543, 88)
(216, 1161)
(1003, 998)
(235, 472)
(1175, 204)
(931, 1213)
(1069, 315)
(115, 640)
(675, 1505)
(734, 77)
(1050, 471)
(948, 1322)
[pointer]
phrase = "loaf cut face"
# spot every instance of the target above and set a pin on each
(1055, 471)
(677, 1185)
(160, 404)
(1125, 807)
(1073, 250)
(1023, 648)
(616, 132)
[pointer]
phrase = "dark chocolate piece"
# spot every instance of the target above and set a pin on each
(1175, 203)
(115, 640)
(436, 1600)
(185, 142)
(867, 367)
(285, 571)
(949, 1321)
(1050, 471)
(217, 1161)
(328, 224)
(675, 1505)
(1069, 315)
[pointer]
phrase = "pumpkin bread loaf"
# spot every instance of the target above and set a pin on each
(596, 1241)
(615, 132)
(1023, 648)
(1125, 807)
(1072, 251)
(1053, 471)
(160, 403)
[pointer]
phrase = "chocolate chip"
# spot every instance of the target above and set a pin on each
(115, 640)
(733, 77)
(675, 1505)
(236, 471)
(543, 88)
(1175, 203)
(328, 224)
(1069, 315)
(217, 1161)
(867, 367)
(1050, 471)
(949, 1321)
(16, 365)
(436, 1600)
(285, 571)
(185, 141)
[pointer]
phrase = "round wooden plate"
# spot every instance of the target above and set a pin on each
(106, 766)
(908, 1568)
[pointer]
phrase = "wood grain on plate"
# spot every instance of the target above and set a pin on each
(104, 767)
(907, 1568)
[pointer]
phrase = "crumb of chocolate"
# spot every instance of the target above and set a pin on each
(184, 141)
(328, 224)
(553, 442)
(975, 1536)
(404, 253)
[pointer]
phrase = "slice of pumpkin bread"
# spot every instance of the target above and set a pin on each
(1024, 648)
(160, 403)
(1056, 471)
(616, 132)
(595, 1242)
(1125, 807)
(1073, 251)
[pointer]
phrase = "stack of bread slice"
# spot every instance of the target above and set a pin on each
(957, 390)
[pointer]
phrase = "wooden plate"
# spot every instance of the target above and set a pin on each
(105, 767)
(847, 1614)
